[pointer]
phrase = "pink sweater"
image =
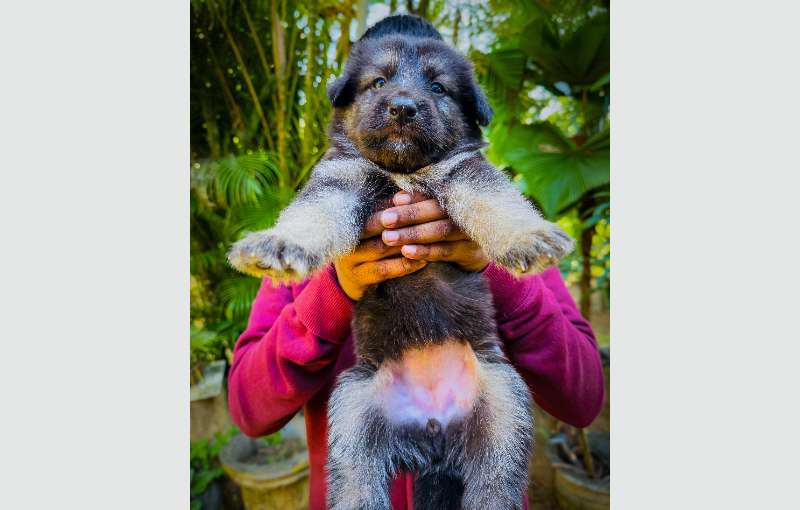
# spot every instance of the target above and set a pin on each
(298, 340)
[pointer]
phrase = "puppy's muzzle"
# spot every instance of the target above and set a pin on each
(402, 110)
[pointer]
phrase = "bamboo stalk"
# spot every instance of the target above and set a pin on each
(245, 73)
(343, 45)
(259, 48)
(236, 112)
(279, 60)
(422, 10)
(308, 117)
(361, 15)
(456, 24)
(212, 133)
(586, 272)
(588, 462)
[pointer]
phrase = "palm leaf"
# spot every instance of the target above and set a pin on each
(236, 294)
(579, 58)
(244, 179)
(501, 71)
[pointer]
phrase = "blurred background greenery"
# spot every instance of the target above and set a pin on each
(259, 114)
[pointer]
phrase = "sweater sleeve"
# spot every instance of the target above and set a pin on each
(549, 343)
(287, 353)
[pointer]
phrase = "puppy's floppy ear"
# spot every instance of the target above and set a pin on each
(482, 110)
(341, 91)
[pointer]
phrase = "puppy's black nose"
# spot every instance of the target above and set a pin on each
(402, 109)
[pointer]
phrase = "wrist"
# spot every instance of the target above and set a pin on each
(351, 289)
(475, 266)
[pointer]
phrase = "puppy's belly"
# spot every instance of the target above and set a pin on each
(438, 382)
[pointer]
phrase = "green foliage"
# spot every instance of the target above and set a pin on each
(204, 462)
(548, 77)
(557, 171)
(600, 254)
(229, 197)
(578, 58)
(259, 114)
(272, 439)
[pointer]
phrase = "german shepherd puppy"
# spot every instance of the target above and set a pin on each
(432, 391)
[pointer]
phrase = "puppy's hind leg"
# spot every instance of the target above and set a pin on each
(497, 441)
(359, 460)
(438, 491)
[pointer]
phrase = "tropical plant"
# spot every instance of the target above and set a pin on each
(548, 77)
(258, 117)
(204, 465)
(229, 196)
(547, 74)
(259, 113)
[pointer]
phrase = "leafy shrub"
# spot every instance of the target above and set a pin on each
(204, 464)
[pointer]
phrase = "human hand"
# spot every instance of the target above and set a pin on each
(372, 261)
(424, 232)
(415, 230)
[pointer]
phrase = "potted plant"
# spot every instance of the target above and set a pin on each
(208, 399)
(581, 464)
(206, 474)
(271, 471)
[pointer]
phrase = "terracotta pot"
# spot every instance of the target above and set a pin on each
(573, 488)
(281, 485)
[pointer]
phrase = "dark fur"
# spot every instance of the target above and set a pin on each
(426, 307)
(441, 301)
(411, 65)
(480, 461)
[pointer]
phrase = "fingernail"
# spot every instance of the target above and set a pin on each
(390, 236)
(402, 199)
(388, 218)
(409, 250)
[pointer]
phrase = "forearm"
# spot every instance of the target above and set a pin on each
(280, 362)
(549, 343)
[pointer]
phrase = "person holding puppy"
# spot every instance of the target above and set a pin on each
(298, 337)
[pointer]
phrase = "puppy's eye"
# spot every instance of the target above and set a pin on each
(378, 83)
(437, 88)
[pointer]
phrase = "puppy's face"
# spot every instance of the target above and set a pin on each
(405, 101)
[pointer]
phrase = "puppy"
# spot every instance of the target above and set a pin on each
(432, 392)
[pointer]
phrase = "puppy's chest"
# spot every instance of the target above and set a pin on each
(427, 178)
(411, 183)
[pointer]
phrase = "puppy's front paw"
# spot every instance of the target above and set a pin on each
(538, 250)
(268, 254)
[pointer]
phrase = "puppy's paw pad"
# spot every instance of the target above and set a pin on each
(538, 251)
(267, 254)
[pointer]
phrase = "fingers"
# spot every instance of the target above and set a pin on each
(373, 226)
(408, 209)
(431, 232)
(412, 214)
(371, 250)
(466, 254)
(404, 198)
(370, 273)
(446, 252)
